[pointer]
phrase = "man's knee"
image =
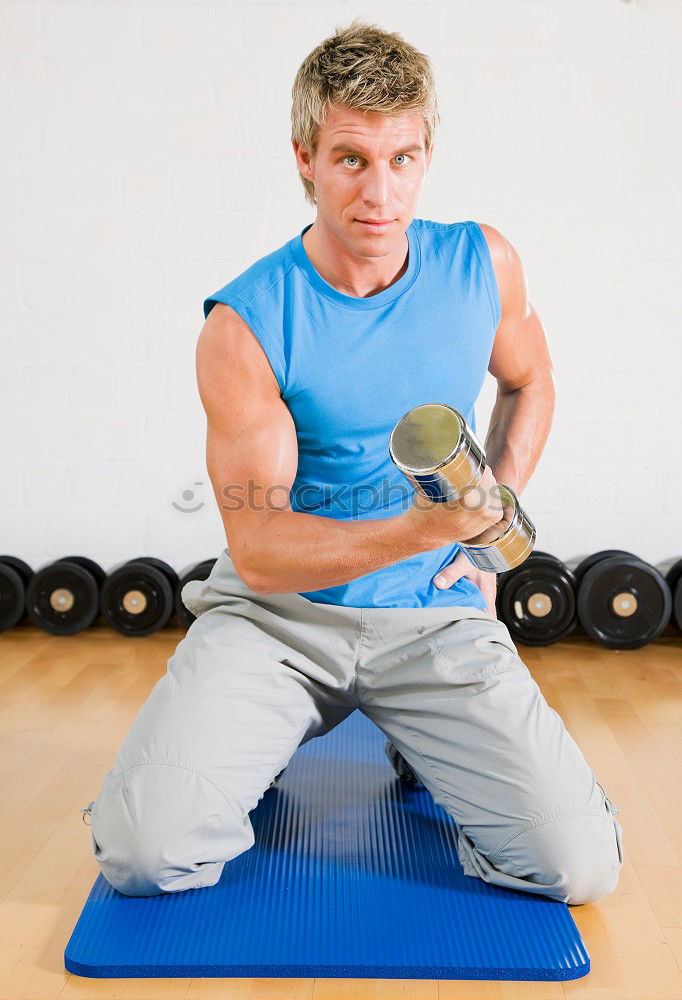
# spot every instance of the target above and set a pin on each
(163, 828)
(578, 858)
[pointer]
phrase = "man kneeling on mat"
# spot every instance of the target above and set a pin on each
(342, 588)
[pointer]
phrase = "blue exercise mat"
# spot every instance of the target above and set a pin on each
(354, 874)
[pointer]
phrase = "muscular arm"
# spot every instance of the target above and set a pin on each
(252, 458)
(520, 361)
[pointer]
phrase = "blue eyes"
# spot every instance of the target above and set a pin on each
(351, 156)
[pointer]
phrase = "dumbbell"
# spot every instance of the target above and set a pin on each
(200, 571)
(138, 597)
(537, 601)
(15, 575)
(674, 580)
(623, 602)
(434, 447)
(62, 598)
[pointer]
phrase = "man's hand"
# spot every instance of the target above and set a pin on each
(461, 565)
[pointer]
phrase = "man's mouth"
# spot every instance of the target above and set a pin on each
(373, 225)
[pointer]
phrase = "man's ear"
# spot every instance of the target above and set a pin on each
(303, 160)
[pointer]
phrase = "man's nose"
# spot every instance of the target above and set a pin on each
(376, 189)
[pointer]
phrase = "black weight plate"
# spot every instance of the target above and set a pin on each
(137, 599)
(535, 554)
(508, 574)
(502, 580)
(589, 561)
(597, 602)
(201, 571)
(19, 566)
(90, 565)
(537, 603)
(672, 576)
(674, 580)
(538, 554)
(170, 573)
(205, 565)
(62, 598)
(12, 597)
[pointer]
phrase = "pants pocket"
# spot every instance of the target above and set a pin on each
(474, 649)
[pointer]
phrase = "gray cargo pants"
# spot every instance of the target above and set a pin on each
(258, 675)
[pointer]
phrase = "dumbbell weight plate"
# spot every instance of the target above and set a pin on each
(674, 580)
(591, 560)
(537, 601)
(201, 571)
(62, 598)
(21, 567)
(538, 554)
(91, 565)
(535, 554)
(171, 575)
(137, 598)
(623, 602)
(503, 577)
(12, 597)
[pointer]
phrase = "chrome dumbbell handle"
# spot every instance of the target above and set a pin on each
(512, 547)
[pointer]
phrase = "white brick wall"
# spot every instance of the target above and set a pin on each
(140, 137)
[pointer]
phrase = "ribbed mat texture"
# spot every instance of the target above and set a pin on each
(354, 874)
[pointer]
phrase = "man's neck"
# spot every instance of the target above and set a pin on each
(350, 274)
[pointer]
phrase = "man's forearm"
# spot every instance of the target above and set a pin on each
(519, 428)
(294, 552)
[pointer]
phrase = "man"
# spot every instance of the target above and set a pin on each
(325, 603)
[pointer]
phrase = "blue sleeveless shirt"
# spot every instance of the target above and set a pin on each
(349, 368)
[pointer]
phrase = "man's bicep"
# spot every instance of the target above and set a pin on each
(251, 446)
(520, 352)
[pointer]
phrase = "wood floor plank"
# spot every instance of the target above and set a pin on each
(69, 701)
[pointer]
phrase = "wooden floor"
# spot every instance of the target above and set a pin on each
(67, 703)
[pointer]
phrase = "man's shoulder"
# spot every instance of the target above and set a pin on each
(447, 234)
(264, 275)
(451, 227)
(433, 228)
(504, 257)
(438, 226)
(497, 244)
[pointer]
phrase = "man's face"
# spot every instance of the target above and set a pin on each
(367, 167)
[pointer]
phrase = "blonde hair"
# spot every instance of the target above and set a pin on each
(364, 68)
